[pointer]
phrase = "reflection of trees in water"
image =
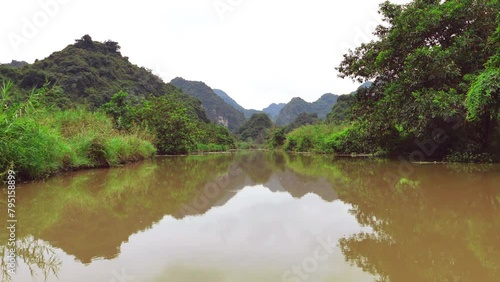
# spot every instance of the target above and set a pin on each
(257, 166)
(435, 223)
(89, 214)
(39, 257)
(441, 225)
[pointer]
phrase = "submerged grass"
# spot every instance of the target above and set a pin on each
(37, 141)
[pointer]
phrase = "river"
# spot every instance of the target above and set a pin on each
(260, 216)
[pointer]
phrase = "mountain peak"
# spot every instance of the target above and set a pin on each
(218, 110)
(297, 106)
(297, 99)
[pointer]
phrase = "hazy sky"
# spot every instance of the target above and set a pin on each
(258, 51)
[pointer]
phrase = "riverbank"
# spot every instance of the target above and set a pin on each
(348, 140)
(39, 144)
(42, 134)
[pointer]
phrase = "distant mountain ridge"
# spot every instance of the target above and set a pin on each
(234, 104)
(91, 72)
(217, 109)
(286, 113)
(273, 110)
(16, 64)
(297, 106)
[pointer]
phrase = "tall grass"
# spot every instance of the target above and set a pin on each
(312, 138)
(349, 139)
(37, 140)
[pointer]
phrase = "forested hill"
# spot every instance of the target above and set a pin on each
(92, 72)
(17, 64)
(217, 109)
(297, 106)
(234, 104)
(291, 111)
(274, 110)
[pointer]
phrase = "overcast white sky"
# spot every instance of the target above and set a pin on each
(258, 51)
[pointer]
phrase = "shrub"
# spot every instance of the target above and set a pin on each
(34, 149)
(310, 138)
(211, 148)
(37, 140)
(469, 152)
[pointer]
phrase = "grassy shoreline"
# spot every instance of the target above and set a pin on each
(37, 145)
(39, 137)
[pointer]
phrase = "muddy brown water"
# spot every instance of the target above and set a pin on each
(259, 216)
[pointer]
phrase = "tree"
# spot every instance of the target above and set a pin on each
(120, 109)
(341, 111)
(304, 119)
(112, 46)
(277, 137)
(85, 42)
(421, 67)
(483, 98)
(168, 118)
(255, 128)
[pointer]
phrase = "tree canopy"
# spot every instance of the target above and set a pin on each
(255, 128)
(434, 63)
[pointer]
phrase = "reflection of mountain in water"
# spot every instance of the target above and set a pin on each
(90, 214)
(258, 168)
(298, 185)
(438, 224)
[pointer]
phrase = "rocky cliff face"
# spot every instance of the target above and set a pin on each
(217, 109)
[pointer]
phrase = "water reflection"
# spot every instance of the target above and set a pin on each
(440, 225)
(212, 218)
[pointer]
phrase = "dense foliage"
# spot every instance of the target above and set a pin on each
(277, 136)
(87, 106)
(37, 138)
(92, 72)
(255, 128)
(168, 120)
(342, 110)
(304, 119)
(435, 63)
(435, 93)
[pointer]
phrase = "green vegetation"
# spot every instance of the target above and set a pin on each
(90, 72)
(87, 106)
(255, 128)
(436, 78)
(311, 138)
(218, 111)
(175, 132)
(38, 139)
(402, 241)
(117, 202)
(430, 58)
(297, 106)
(342, 110)
(304, 119)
